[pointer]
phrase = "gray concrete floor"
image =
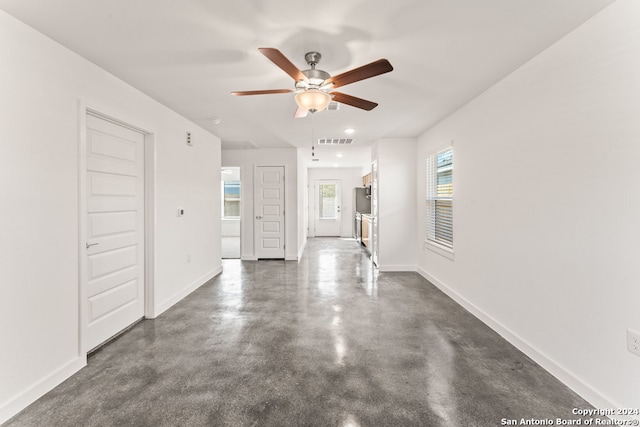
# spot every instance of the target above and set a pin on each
(324, 342)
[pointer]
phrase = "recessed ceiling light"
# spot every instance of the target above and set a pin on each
(349, 131)
(339, 155)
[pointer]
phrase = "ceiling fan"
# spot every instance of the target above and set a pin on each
(314, 87)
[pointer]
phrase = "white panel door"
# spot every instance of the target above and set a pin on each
(115, 229)
(328, 220)
(269, 210)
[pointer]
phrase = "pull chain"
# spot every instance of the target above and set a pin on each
(313, 143)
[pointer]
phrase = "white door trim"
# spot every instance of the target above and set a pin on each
(149, 215)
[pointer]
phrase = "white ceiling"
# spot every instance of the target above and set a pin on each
(191, 54)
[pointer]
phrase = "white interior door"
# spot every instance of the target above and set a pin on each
(114, 229)
(328, 219)
(269, 212)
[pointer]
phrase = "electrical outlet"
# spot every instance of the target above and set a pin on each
(633, 342)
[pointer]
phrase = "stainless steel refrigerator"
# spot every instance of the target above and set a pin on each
(362, 199)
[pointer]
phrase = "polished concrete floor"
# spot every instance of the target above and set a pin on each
(324, 342)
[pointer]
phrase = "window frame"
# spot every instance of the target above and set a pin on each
(442, 246)
(238, 199)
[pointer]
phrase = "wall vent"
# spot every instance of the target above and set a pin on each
(335, 141)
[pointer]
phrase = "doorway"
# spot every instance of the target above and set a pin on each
(231, 204)
(328, 218)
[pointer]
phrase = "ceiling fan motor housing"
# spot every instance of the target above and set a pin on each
(316, 77)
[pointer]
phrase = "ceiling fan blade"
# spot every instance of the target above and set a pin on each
(300, 112)
(353, 101)
(261, 92)
(281, 61)
(373, 69)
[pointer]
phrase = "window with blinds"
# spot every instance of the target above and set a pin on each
(231, 199)
(439, 199)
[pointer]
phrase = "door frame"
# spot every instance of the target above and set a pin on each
(242, 203)
(149, 216)
(375, 237)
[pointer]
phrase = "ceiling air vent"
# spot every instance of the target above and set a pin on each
(335, 141)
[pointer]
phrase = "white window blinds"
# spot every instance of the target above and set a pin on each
(439, 199)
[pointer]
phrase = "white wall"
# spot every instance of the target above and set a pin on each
(247, 160)
(41, 85)
(349, 179)
(230, 228)
(547, 207)
(396, 203)
(366, 166)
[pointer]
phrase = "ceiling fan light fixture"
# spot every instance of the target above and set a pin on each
(313, 100)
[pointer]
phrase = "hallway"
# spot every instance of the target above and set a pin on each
(324, 342)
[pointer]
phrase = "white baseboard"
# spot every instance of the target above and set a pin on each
(563, 374)
(165, 305)
(396, 268)
(301, 249)
(16, 404)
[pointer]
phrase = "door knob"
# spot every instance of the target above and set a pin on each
(258, 217)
